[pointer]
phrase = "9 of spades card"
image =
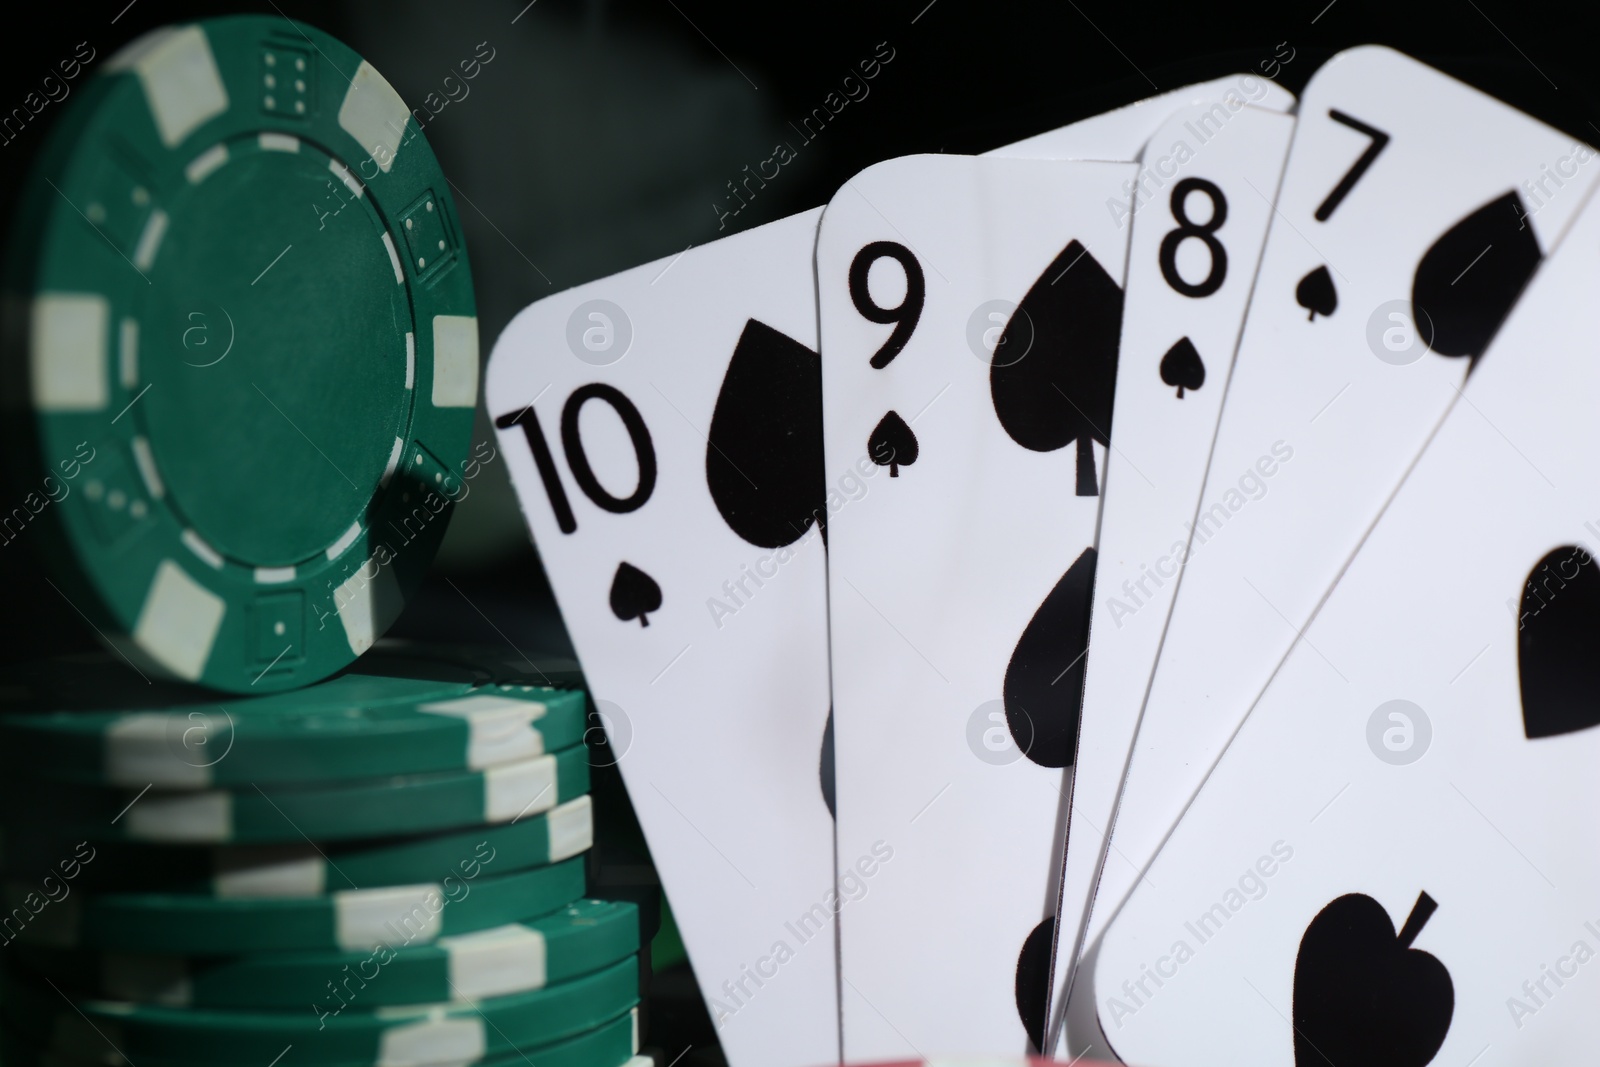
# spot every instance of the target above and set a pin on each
(1393, 862)
(1397, 247)
(970, 314)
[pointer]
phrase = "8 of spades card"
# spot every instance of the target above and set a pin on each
(1199, 220)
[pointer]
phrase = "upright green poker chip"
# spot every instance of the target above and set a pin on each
(583, 937)
(341, 811)
(257, 872)
(250, 350)
(350, 920)
(420, 1034)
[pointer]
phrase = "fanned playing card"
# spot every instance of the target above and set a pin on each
(663, 429)
(1393, 862)
(1200, 212)
(1399, 242)
(970, 314)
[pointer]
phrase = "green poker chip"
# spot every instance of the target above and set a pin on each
(421, 1034)
(248, 345)
(303, 870)
(275, 739)
(614, 1043)
(583, 937)
(323, 812)
(401, 710)
(347, 920)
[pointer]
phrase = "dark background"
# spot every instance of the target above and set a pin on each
(604, 133)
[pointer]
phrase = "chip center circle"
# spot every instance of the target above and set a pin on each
(273, 345)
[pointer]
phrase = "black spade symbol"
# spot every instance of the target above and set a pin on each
(1043, 689)
(1469, 278)
(825, 767)
(1061, 390)
(1182, 367)
(1556, 666)
(764, 463)
(892, 444)
(1363, 995)
(1033, 980)
(634, 594)
(1316, 293)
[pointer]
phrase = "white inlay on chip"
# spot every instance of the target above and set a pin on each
(571, 828)
(187, 818)
(201, 167)
(439, 1039)
(394, 259)
(412, 913)
(179, 621)
(346, 539)
(128, 352)
(274, 575)
(242, 874)
(138, 752)
(199, 547)
(342, 172)
(278, 142)
(374, 115)
(146, 461)
(519, 789)
(367, 602)
(394, 461)
(492, 962)
(455, 361)
(67, 352)
(411, 359)
(155, 228)
(499, 729)
(180, 79)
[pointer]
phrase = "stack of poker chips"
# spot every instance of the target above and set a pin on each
(384, 868)
(239, 428)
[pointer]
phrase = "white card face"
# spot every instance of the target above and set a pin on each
(1198, 225)
(1396, 852)
(960, 571)
(1396, 246)
(731, 673)
(677, 405)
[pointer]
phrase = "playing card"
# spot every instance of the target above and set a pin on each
(970, 310)
(664, 439)
(1411, 213)
(663, 430)
(1392, 863)
(1198, 218)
